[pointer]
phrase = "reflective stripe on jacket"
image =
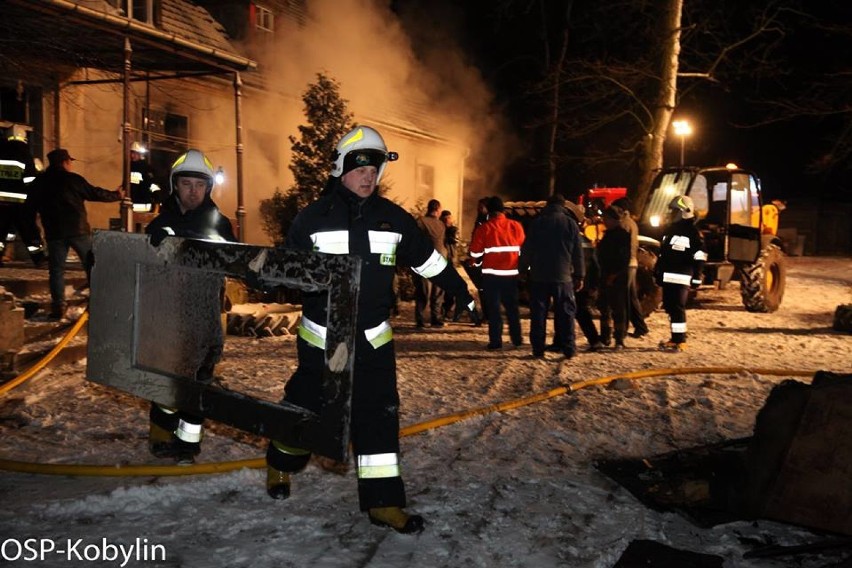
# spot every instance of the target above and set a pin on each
(497, 244)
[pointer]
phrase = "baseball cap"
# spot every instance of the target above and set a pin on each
(56, 157)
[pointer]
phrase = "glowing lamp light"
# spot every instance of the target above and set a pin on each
(683, 129)
(655, 220)
(219, 178)
(732, 166)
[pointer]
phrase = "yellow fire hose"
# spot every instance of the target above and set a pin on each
(446, 420)
(41, 364)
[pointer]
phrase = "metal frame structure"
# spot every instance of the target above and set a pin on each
(155, 330)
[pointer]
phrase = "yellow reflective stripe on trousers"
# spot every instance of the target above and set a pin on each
(676, 278)
(433, 266)
(188, 432)
(312, 332)
(378, 466)
(315, 333)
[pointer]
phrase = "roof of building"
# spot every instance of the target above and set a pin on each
(90, 33)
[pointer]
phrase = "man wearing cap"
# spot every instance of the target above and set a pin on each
(496, 246)
(58, 197)
(553, 254)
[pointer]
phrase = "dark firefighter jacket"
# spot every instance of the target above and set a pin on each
(17, 169)
(141, 180)
(203, 222)
(58, 197)
(552, 250)
(384, 236)
(682, 255)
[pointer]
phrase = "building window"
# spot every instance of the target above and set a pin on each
(425, 182)
(147, 11)
(264, 19)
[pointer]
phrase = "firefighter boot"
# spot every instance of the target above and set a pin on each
(672, 347)
(161, 442)
(397, 519)
(277, 483)
(185, 452)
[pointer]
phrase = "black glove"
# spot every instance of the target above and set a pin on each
(157, 236)
(466, 303)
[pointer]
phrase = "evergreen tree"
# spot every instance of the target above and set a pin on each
(328, 119)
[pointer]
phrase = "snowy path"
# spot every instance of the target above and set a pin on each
(516, 488)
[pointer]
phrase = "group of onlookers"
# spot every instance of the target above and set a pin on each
(568, 274)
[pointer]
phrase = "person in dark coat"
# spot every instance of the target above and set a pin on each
(426, 293)
(614, 259)
(634, 308)
(553, 254)
(189, 213)
(58, 197)
(679, 267)
(585, 296)
(451, 241)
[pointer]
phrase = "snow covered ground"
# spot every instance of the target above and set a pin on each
(516, 488)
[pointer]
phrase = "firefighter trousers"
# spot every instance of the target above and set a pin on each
(374, 422)
(675, 297)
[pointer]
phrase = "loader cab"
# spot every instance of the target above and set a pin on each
(727, 209)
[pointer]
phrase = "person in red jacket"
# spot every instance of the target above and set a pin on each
(495, 247)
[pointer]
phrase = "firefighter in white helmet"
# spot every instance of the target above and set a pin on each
(680, 267)
(190, 213)
(351, 218)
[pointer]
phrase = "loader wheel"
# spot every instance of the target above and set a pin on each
(762, 283)
(843, 318)
(650, 295)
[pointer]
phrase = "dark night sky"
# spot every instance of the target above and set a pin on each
(507, 52)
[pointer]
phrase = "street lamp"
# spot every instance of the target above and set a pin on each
(683, 129)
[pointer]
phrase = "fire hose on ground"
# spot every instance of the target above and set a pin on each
(143, 470)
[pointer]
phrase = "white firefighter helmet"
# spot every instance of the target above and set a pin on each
(192, 164)
(684, 206)
(138, 147)
(363, 146)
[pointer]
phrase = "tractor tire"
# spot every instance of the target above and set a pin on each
(843, 318)
(650, 295)
(762, 283)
